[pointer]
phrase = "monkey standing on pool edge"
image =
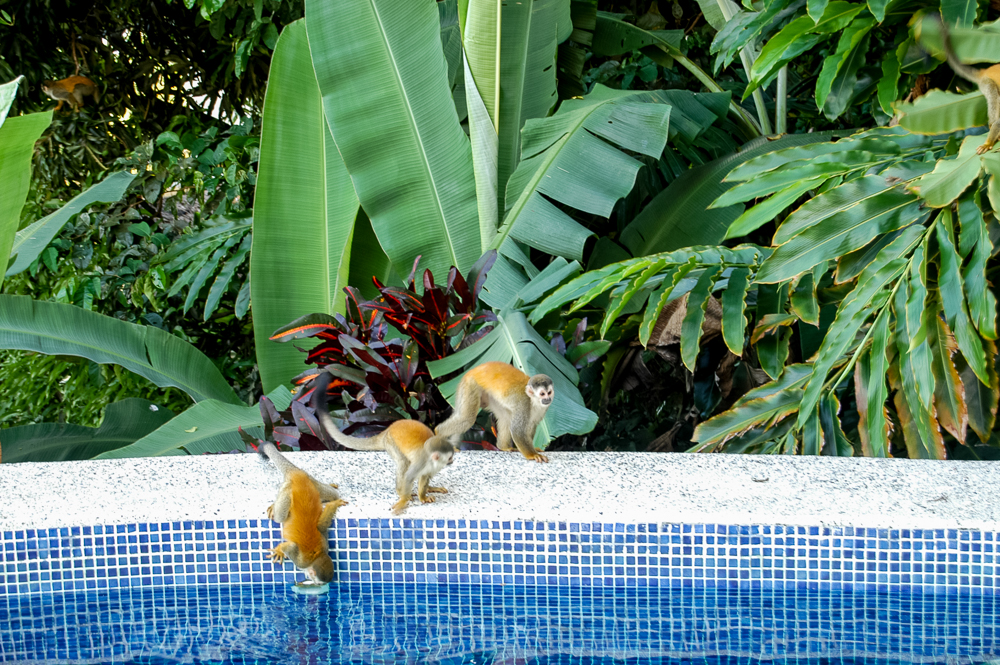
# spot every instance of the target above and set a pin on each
(418, 453)
(987, 79)
(305, 508)
(518, 402)
(71, 89)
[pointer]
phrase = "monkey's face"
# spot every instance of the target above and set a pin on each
(541, 393)
(321, 569)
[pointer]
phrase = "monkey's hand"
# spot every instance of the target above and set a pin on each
(400, 506)
(277, 555)
(337, 503)
(986, 147)
(270, 512)
(333, 485)
(537, 457)
(437, 490)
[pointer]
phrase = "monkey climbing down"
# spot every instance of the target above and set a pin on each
(305, 508)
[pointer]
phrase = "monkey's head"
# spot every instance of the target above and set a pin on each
(540, 390)
(440, 451)
(321, 569)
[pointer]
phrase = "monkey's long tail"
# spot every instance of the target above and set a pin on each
(965, 71)
(330, 428)
(268, 450)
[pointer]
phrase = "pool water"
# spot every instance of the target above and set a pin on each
(510, 625)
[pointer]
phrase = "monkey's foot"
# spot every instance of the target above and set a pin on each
(986, 147)
(337, 503)
(276, 555)
(333, 485)
(426, 499)
(538, 457)
(270, 512)
(400, 506)
(438, 490)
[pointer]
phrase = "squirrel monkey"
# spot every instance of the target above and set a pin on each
(71, 89)
(518, 402)
(987, 79)
(418, 453)
(305, 508)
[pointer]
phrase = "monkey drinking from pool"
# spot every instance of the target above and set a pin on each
(305, 508)
(517, 401)
(418, 453)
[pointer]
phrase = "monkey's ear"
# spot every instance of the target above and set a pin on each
(435, 456)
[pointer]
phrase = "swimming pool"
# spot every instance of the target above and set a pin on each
(593, 558)
(375, 623)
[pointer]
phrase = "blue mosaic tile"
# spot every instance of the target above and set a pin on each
(505, 552)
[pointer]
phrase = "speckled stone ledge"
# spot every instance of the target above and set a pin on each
(575, 487)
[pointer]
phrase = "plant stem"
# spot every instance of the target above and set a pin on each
(781, 102)
(747, 60)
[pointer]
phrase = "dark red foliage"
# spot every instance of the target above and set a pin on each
(378, 376)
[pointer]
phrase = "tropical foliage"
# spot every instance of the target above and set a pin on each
(592, 176)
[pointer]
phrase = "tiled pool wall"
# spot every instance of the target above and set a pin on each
(456, 547)
(503, 553)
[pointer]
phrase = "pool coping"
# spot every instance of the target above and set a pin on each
(632, 487)
(589, 519)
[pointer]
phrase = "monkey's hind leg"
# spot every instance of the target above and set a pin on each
(504, 439)
(327, 491)
(278, 511)
(991, 91)
(329, 512)
(403, 485)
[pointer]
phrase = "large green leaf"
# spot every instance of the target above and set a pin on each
(953, 298)
(17, 141)
(975, 247)
(61, 329)
(7, 93)
(680, 216)
(384, 80)
(835, 88)
(571, 158)
(614, 36)
(124, 422)
(855, 309)
(576, 157)
(871, 391)
(951, 177)
(514, 341)
(32, 240)
(760, 406)
(206, 427)
(841, 220)
(940, 112)
(971, 45)
(529, 40)
(304, 210)
(798, 37)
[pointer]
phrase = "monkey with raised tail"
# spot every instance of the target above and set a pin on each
(418, 453)
(518, 402)
(988, 80)
(71, 90)
(305, 508)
